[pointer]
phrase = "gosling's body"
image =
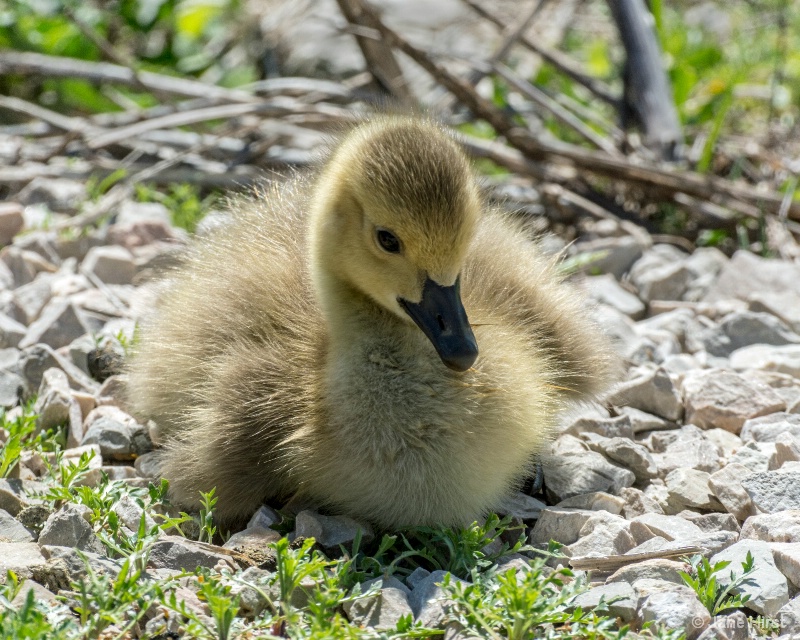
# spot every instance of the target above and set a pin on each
(276, 364)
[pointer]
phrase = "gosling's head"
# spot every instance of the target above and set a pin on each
(395, 210)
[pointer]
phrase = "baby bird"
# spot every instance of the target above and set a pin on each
(373, 339)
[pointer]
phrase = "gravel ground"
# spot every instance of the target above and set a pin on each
(698, 446)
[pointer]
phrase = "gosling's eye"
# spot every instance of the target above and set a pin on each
(388, 241)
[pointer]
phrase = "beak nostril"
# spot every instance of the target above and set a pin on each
(440, 320)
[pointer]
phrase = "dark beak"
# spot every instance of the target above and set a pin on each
(441, 316)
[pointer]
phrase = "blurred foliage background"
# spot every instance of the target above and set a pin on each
(734, 68)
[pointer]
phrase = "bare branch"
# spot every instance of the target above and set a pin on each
(37, 64)
(559, 60)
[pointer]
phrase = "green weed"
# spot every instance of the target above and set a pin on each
(718, 597)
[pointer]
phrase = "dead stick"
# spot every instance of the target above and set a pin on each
(705, 187)
(379, 57)
(37, 64)
(540, 98)
(559, 60)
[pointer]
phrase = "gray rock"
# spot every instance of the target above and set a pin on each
(12, 530)
(784, 305)
(568, 444)
(674, 607)
(688, 488)
(23, 265)
(69, 527)
(34, 516)
(123, 472)
(23, 558)
(417, 576)
(79, 350)
(783, 526)
(773, 491)
(619, 426)
(753, 456)
(655, 569)
(252, 541)
(739, 331)
(768, 428)
(11, 332)
(330, 531)
(251, 598)
(586, 472)
(637, 503)
(704, 264)
(114, 389)
(727, 442)
(595, 501)
(746, 328)
(727, 487)
(782, 359)
(559, 524)
(619, 328)
(787, 559)
(520, 505)
(130, 513)
(11, 388)
(265, 517)
(66, 564)
(59, 324)
(111, 264)
(642, 421)
(687, 447)
(31, 298)
(138, 211)
(712, 522)
(719, 398)
(657, 491)
(733, 626)
(747, 274)
(619, 597)
(652, 392)
(58, 194)
(143, 228)
(630, 455)
(661, 274)
(708, 543)
(117, 434)
(605, 289)
(787, 449)
(35, 360)
(147, 465)
(769, 590)
(53, 401)
(670, 528)
(12, 495)
(789, 617)
(674, 322)
(603, 535)
(11, 221)
(383, 610)
(175, 552)
(429, 602)
(40, 594)
(679, 364)
(712, 543)
(655, 347)
(615, 255)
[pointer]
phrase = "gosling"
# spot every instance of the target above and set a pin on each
(372, 339)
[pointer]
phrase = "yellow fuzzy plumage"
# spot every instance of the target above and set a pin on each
(277, 362)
